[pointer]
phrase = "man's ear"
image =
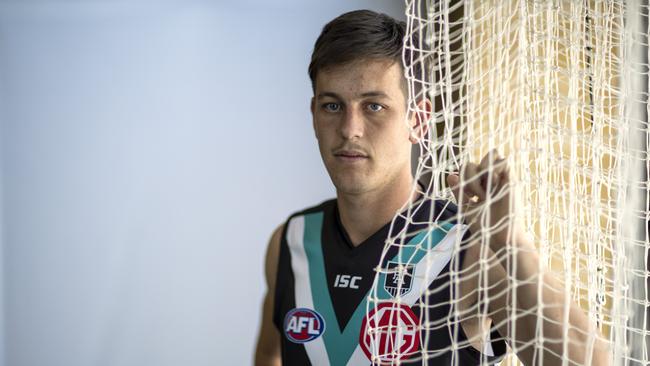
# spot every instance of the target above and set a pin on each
(419, 122)
(312, 108)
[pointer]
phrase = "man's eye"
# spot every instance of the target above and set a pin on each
(331, 107)
(374, 107)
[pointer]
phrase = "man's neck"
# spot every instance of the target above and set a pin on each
(364, 214)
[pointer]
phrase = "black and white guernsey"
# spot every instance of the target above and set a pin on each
(323, 284)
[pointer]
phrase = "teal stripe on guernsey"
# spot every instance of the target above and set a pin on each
(414, 251)
(339, 345)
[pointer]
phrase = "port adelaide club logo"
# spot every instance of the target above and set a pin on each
(399, 278)
(302, 325)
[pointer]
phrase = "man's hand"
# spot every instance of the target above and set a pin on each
(486, 201)
(489, 206)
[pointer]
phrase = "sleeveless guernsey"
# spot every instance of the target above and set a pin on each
(323, 284)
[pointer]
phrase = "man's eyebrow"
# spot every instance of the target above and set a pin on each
(329, 94)
(363, 95)
(375, 94)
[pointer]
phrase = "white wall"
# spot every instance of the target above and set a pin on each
(149, 151)
(2, 263)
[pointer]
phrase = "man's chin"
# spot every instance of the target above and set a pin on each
(351, 187)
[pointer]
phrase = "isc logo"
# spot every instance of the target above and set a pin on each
(345, 281)
(302, 325)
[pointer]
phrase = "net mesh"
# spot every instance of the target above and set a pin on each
(560, 90)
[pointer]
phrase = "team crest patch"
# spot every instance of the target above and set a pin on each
(399, 278)
(302, 325)
(390, 333)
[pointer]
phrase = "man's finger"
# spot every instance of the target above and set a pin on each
(463, 201)
(501, 175)
(454, 183)
(472, 181)
(489, 171)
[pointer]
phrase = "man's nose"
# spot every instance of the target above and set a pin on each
(352, 126)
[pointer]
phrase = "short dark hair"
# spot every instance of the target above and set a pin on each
(359, 35)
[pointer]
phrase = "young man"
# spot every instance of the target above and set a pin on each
(320, 264)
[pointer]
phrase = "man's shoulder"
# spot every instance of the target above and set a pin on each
(443, 209)
(435, 210)
(325, 205)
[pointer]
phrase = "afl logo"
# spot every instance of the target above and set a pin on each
(302, 325)
(389, 333)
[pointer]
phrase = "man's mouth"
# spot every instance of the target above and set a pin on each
(350, 155)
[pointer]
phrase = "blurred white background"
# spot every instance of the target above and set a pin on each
(147, 151)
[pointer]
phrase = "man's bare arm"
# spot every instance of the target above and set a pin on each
(528, 304)
(267, 352)
(518, 320)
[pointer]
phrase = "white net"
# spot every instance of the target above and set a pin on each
(560, 90)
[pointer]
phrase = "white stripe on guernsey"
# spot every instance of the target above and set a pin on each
(487, 349)
(295, 235)
(432, 264)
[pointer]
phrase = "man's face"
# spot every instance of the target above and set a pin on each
(359, 114)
